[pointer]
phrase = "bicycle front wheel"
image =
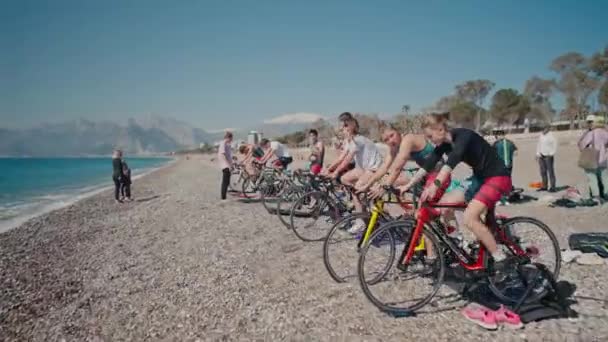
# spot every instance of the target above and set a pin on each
(341, 248)
(286, 202)
(270, 195)
(236, 180)
(401, 289)
(312, 216)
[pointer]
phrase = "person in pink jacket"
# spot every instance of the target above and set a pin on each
(597, 137)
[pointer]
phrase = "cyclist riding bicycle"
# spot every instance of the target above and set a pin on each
(491, 179)
(367, 159)
(278, 150)
(404, 147)
(392, 173)
(251, 153)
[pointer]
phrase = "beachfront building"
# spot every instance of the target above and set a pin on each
(254, 137)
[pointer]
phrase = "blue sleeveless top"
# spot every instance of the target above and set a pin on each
(420, 156)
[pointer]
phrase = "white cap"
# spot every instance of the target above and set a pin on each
(590, 117)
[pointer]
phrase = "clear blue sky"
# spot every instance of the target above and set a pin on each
(234, 63)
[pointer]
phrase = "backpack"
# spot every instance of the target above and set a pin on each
(555, 303)
(590, 243)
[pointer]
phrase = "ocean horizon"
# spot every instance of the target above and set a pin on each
(31, 186)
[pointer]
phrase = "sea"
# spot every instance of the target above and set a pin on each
(32, 186)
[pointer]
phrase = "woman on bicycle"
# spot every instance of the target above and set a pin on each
(418, 148)
(404, 147)
(251, 153)
(491, 179)
(367, 159)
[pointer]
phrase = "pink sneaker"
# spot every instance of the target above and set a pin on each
(508, 318)
(481, 316)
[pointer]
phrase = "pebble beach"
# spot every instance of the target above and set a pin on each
(177, 265)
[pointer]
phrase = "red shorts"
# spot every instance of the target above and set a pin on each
(315, 169)
(493, 189)
(430, 178)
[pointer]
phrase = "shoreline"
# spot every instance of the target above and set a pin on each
(45, 209)
(176, 265)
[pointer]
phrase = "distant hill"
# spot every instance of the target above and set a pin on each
(149, 135)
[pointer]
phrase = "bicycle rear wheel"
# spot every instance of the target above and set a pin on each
(312, 216)
(400, 289)
(541, 247)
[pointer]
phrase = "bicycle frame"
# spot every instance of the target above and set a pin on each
(425, 218)
(378, 211)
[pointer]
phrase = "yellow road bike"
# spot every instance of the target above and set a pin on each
(341, 247)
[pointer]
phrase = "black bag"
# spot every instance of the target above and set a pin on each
(554, 304)
(590, 243)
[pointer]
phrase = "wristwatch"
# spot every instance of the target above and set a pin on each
(437, 182)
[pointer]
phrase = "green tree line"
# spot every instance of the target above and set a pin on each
(579, 79)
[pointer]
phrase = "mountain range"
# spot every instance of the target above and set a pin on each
(151, 135)
(142, 136)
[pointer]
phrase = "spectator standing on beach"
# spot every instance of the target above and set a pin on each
(317, 152)
(506, 149)
(117, 173)
(125, 182)
(596, 139)
(545, 154)
(224, 157)
(589, 120)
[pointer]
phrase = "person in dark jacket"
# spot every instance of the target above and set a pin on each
(117, 173)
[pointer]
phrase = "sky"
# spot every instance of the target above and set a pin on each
(228, 63)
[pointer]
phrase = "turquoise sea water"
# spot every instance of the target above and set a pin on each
(31, 185)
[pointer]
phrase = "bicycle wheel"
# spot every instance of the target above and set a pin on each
(541, 247)
(236, 180)
(248, 187)
(341, 248)
(402, 289)
(312, 216)
(286, 202)
(270, 193)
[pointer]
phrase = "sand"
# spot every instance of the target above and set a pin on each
(175, 265)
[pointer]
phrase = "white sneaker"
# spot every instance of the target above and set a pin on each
(357, 227)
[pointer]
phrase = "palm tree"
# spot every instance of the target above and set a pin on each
(405, 109)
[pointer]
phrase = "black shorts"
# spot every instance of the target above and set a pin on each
(283, 161)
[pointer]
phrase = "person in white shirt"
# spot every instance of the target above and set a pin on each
(278, 150)
(545, 153)
(224, 157)
(367, 159)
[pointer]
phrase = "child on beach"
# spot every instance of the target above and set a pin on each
(125, 182)
(117, 173)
